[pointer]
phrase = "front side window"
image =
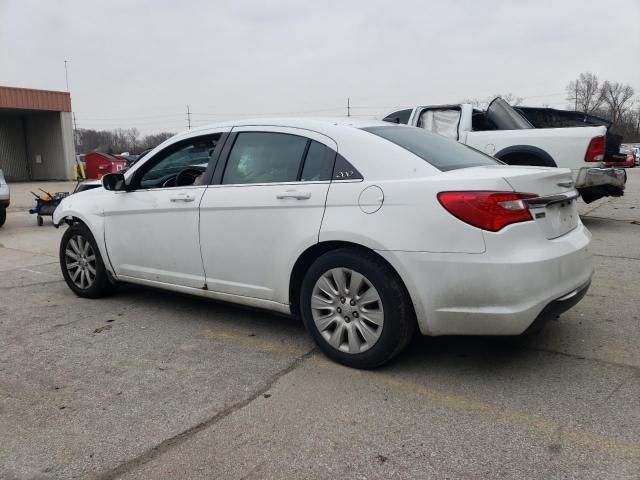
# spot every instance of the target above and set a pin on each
(264, 157)
(181, 164)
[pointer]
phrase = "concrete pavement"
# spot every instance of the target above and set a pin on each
(151, 384)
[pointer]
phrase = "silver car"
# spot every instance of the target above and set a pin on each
(4, 199)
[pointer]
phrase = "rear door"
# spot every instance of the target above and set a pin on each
(264, 208)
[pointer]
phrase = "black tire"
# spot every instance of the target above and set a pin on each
(101, 286)
(399, 322)
(40, 221)
(3, 215)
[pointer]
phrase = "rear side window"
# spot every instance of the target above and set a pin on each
(443, 153)
(264, 157)
(401, 116)
(318, 163)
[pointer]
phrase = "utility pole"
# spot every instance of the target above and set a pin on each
(66, 75)
(348, 107)
(73, 114)
(188, 118)
(75, 132)
(75, 126)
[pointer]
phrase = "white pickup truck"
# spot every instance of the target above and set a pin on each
(506, 134)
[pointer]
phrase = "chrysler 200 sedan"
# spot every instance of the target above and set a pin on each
(365, 230)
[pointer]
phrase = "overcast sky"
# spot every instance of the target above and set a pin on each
(139, 63)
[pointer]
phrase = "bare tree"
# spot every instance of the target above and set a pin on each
(119, 140)
(510, 98)
(618, 98)
(475, 102)
(585, 93)
(151, 141)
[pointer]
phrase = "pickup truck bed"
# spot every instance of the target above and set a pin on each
(506, 134)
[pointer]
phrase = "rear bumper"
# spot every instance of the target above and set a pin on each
(500, 293)
(597, 182)
(558, 306)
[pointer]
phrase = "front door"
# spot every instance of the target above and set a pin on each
(266, 209)
(151, 232)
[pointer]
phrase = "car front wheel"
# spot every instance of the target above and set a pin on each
(356, 308)
(82, 265)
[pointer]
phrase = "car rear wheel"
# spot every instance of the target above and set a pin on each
(356, 308)
(3, 215)
(81, 263)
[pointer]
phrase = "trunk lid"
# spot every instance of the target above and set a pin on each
(556, 211)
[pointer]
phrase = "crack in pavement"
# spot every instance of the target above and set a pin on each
(615, 256)
(31, 284)
(582, 357)
(29, 252)
(181, 437)
(619, 386)
(609, 219)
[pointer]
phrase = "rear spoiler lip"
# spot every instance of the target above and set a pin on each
(551, 199)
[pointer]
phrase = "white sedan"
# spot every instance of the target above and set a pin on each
(366, 230)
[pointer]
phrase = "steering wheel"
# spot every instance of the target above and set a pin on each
(187, 176)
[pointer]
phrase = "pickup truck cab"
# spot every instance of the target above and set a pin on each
(507, 135)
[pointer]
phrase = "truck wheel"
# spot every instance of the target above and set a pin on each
(81, 263)
(515, 158)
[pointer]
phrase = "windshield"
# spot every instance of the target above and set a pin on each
(443, 153)
(505, 117)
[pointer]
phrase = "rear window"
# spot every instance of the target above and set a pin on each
(443, 153)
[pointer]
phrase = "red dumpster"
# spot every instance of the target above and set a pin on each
(99, 164)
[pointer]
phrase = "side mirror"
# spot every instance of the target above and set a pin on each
(114, 182)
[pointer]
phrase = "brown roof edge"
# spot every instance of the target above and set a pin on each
(32, 99)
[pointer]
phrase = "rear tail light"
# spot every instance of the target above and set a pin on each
(595, 151)
(490, 211)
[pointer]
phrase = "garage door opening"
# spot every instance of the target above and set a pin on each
(36, 135)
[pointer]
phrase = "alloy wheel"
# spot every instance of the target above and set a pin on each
(347, 310)
(80, 260)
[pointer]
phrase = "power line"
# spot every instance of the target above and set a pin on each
(136, 117)
(267, 113)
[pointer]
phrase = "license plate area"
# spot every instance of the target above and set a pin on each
(557, 219)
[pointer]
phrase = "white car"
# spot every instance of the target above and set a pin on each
(5, 198)
(366, 230)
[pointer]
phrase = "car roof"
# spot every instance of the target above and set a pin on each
(324, 125)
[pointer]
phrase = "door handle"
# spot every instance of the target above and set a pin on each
(294, 194)
(182, 197)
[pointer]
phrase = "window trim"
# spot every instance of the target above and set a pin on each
(218, 175)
